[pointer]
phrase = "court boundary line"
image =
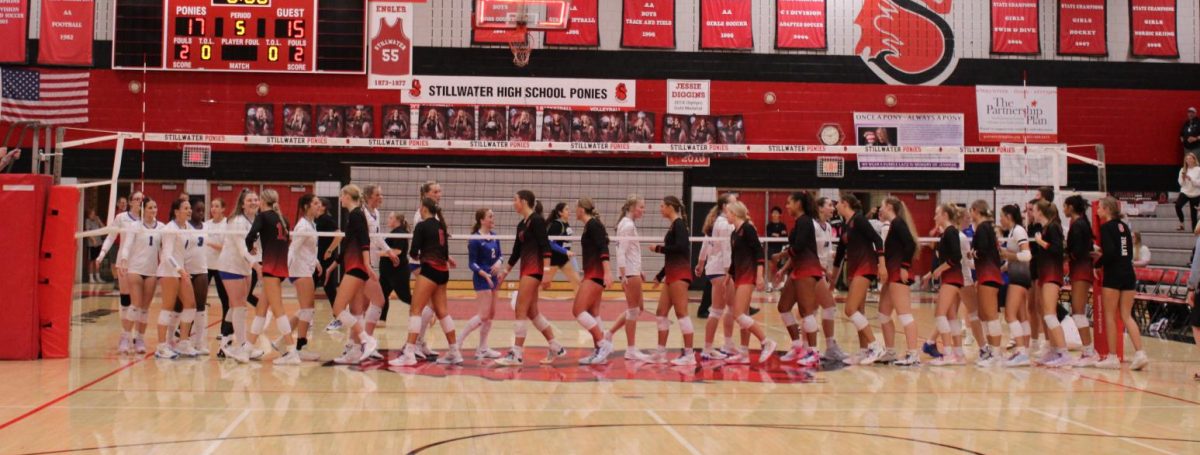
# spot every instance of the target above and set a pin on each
(675, 434)
(1138, 389)
(1068, 420)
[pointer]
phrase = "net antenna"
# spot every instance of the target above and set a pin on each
(519, 18)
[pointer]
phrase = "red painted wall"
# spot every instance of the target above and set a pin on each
(1137, 126)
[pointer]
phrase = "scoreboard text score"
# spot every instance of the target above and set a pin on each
(240, 35)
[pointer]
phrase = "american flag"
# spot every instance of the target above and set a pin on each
(46, 96)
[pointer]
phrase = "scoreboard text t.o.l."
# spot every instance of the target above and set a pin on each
(240, 35)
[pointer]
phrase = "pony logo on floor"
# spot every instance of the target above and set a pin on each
(907, 42)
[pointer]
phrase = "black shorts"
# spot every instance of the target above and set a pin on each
(599, 281)
(1120, 283)
(558, 260)
(93, 252)
(438, 277)
(272, 275)
(991, 284)
(358, 273)
(536, 276)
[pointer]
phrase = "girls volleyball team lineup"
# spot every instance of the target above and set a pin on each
(979, 253)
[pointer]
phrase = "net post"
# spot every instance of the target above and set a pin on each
(35, 156)
(116, 174)
(59, 136)
(1101, 171)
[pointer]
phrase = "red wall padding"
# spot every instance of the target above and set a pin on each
(22, 207)
(56, 271)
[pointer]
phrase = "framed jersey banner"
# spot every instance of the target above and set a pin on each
(14, 17)
(1082, 27)
(725, 24)
(390, 51)
(648, 24)
(1015, 28)
(583, 29)
(1152, 28)
(800, 24)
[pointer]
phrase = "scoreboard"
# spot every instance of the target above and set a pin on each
(240, 35)
(300, 36)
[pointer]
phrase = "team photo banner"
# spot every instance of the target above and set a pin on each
(1082, 27)
(582, 31)
(1017, 114)
(648, 24)
(522, 91)
(875, 129)
(1015, 28)
(14, 19)
(390, 51)
(800, 24)
(66, 32)
(726, 24)
(1153, 27)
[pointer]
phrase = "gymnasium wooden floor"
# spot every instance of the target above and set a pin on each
(98, 402)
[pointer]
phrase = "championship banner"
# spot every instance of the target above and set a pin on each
(726, 24)
(66, 32)
(1152, 28)
(14, 15)
(1015, 27)
(390, 51)
(800, 24)
(522, 91)
(688, 96)
(1082, 27)
(648, 24)
(910, 161)
(888, 129)
(1017, 114)
(582, 31)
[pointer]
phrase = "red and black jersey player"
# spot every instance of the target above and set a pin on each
(1048, 257)
(272, 228)
(1080, 244)
(356, 255)
(950, 272)
(746, 272)
(532, 250)
(804, 271)
(986, 251)
(860, 250)
(899, 251)
(596, 277)
(429, 247)
(677, 274)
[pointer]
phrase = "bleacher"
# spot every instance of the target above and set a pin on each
(1162, 287)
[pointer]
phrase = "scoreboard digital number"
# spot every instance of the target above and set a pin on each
(240, 35)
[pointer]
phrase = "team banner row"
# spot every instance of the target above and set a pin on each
(65, 30)
(492, 124)
(802, 24)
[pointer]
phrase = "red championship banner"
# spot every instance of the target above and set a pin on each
(584, 29)
(66, 32)
(725, 24)
(14, 15)
(648, 24)
(1152, 28)
(1015, 27)
(800, 24)
(1082, 27)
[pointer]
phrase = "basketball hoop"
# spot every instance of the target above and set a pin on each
(519, 45)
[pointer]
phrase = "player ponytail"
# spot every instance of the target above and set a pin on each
(716, 211)
(589, 208)
(436, 212)
(807, 204)
(630, 202)
(677, 205)
(479, 216)
(901, 210)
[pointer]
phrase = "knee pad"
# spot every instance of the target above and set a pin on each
(632, 314)
(447, 324)
(883, 318)
(972, 317)
(305, 315)
(664, 324)
(143, 316)
(685, 325)
(426, 315)
(943, 325)
(520, 329)
(906, 320)
(788, 318)
(994, 328)
(283, 324)
(126, 301)
(414, 324)
(1051, 321)
(955, 327)
(541, 323)
(745, 322)
(829, 314)
(256, 327)
(860, 321)
(586, 320)
(1081, 321)
(347, 319)
(164, 317)
(810, 324)
(1015, 330)
(716, 313)
(373, 313)
(188, 316)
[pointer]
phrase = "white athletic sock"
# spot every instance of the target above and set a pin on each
(284, 325)
(256, 327)
(426, 319)
(484, 330)
(373, 314)
(237, 317)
